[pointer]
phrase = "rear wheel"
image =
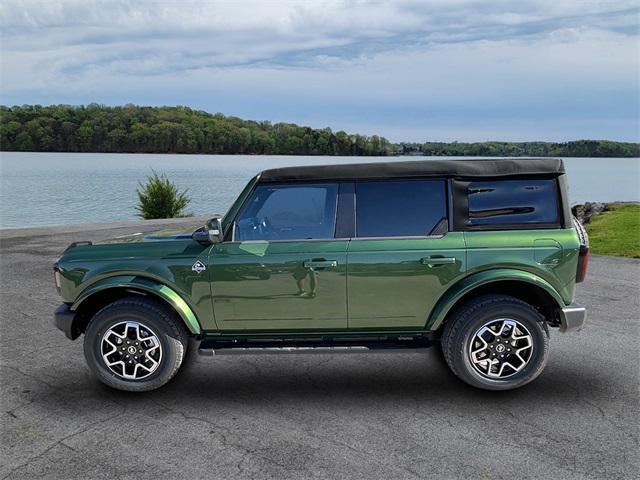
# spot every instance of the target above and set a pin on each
(496, 342)
(135, 344)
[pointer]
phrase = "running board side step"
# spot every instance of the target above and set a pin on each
(213, 347)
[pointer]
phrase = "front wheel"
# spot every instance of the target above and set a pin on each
(496, 342)
(135, 344)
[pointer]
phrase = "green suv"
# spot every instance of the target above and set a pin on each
(480, 256)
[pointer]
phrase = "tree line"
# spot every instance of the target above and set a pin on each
(136, 129)
(577, 148)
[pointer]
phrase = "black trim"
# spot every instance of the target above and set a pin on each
(313, 333)
(563, 191)
(416, 169)
(449, 187)
(441, 229)
(78, 244)
(460, 200)
(346, 211)
(209, 345)
(64, 319)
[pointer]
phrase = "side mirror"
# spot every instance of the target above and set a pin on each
(214, 229)
(210, 233)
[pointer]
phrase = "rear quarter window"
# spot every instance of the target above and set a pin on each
(512, 202)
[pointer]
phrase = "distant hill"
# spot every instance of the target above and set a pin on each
(577, 148)
(136, 129)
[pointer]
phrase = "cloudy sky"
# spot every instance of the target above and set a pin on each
(407, 69)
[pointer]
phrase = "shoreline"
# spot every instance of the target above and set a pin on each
(146, 225)
(390, 155)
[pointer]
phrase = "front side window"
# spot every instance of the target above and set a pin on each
(504, 202)
(402, 208)
(288, 212)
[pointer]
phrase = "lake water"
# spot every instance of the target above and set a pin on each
(38, 189)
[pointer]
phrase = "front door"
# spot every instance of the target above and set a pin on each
(284, 269)
(403, 258)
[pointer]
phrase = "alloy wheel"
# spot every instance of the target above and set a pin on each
(131, 350)
(500, 348)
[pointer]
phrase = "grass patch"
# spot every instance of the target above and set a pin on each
(616, 232)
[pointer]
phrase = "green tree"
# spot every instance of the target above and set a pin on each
(132, 128)
(160, 198)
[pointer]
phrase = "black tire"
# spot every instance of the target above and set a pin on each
(462, 326)
(157, 317)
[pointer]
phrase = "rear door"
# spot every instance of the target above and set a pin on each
(403, 258)
(284, 268)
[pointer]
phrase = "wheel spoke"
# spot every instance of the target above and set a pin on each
(500, 348)
(131, 350)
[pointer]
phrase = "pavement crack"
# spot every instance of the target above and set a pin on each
(29, 375)
(61, 441)
(222, 435)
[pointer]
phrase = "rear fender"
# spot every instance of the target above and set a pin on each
(468, 284)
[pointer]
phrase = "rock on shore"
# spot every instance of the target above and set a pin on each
(584, 212)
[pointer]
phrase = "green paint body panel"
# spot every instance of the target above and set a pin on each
(368, 285)
(160, 266)
(265, 286)
(390, 287)
(549, 254)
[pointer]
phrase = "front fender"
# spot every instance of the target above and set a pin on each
(146, 285)
(467, 284)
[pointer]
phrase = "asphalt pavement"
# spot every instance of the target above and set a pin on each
(312, 416)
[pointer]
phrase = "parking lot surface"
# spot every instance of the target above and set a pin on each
(312, 416)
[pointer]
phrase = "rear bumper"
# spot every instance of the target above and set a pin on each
(63, 319)
(572, 318)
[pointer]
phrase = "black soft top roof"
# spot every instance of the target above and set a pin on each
(484, 167)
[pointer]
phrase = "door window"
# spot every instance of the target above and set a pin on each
(403, 208)
(289, 212)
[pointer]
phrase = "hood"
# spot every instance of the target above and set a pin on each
(143, 245)
(155, 236)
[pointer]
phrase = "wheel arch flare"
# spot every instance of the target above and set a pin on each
(519, 283)
(106, 290)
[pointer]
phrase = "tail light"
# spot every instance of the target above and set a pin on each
(583, 255)
(583, 263)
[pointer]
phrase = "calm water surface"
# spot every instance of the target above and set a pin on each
(38, 189)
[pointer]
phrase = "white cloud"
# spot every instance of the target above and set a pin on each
(330, 62)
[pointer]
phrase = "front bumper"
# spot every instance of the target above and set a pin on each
(63, 319)
(572, 317)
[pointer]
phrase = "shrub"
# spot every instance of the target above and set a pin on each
(160, 198)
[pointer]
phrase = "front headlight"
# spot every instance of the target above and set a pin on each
(57, 278)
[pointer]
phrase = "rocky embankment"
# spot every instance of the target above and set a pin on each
(584, 212)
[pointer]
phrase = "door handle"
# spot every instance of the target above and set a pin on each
(319, 264)
(433, 261)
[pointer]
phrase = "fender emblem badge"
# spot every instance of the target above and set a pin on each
(198, 267)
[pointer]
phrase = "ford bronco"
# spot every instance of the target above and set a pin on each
(479, 256)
